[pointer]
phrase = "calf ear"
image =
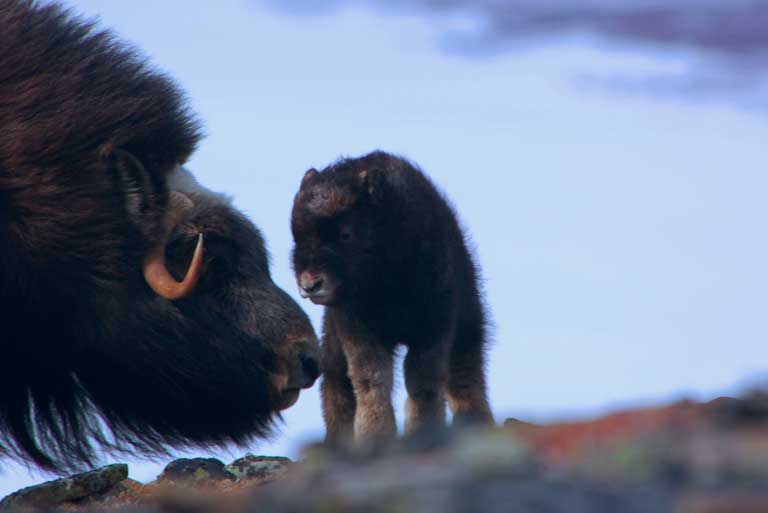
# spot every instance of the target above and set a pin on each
(312, 172)
(370, 181)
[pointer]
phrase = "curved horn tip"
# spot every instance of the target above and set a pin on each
(160, 280)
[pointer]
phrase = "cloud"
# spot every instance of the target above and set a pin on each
(730, 37)
(728, 28)
(734, 27)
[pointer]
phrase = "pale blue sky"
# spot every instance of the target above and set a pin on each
(621, 233)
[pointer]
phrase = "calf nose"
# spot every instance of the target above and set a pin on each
(311, 370)
(310, 282)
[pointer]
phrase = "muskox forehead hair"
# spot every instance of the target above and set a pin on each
(70, 90)
(327, 200)
(218, 212)
(181, 180)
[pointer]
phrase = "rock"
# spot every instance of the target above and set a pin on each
(442, 482)
(122, 494)
(484, 450)
(263, 469)
(77, 488)
(196, 470)
(685, 457)
(724, 504)
(751, 409)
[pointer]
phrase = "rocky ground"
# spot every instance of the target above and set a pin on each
(684, 458)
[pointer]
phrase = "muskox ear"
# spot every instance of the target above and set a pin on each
(369, 181)
(312, 172)
(134, 182)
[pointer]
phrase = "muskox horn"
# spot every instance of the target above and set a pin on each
(155, 271)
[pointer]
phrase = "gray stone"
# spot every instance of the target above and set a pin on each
(196, 470)
(71, 489)
(260, 468)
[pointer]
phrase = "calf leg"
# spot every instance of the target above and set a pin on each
(426, 373)
(338, 398)
(467, 389)
(370, 371)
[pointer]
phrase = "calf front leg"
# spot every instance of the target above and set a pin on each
(370, 370)
(338, 397)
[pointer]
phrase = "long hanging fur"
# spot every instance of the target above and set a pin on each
(89, 356)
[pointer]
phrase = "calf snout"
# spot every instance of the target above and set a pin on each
(320, 288)
(310, 283)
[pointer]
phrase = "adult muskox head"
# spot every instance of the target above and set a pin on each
(137, 310)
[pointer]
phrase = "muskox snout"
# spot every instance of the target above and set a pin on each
(300, 367)
(306, 368)
(310, 366)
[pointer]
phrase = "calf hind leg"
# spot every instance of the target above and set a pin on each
(467, 389)
(426, 373)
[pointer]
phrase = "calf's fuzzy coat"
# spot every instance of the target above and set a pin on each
(377, 244)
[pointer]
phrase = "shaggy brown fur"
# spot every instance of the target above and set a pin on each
(383, 251)
(90, 143)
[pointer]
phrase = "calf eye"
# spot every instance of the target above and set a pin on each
(346, 235)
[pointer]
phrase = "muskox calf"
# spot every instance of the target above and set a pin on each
(382, 250)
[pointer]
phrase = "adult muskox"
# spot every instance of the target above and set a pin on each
(100, 344)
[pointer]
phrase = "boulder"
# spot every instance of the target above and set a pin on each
(74, 489)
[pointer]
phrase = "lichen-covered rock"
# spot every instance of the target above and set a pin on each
(196, 470)
(723, 442)
(263, 469)
(683, 458)
(68, 490)
(499, 478)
